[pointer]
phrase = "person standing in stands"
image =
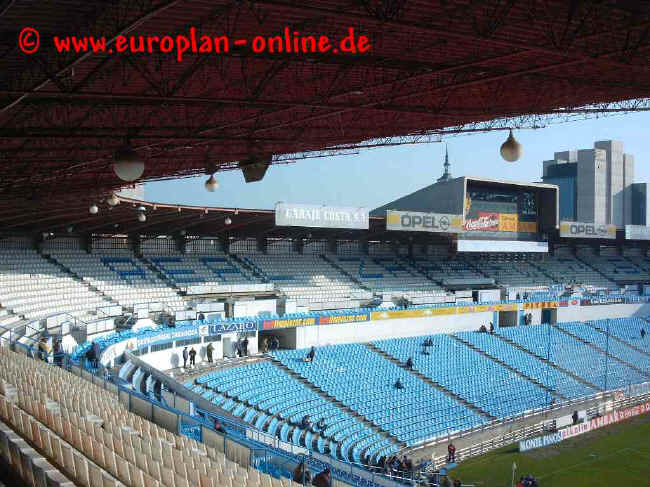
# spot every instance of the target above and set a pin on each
(451, 453)
(302, 473)
(244, 346)
(310, 356)
(491, 327)
(265, 345)
(642, 332)
(97, 352)
(409, 363)
(218, 426)
(192, 357)
(185, 356)
(398, 384)
(208, 352)
(321, 424)
(322, 479)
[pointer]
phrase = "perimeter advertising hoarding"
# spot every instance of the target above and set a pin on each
(637, 232)
(582, 428)
(320, 216)
(587, 230)
(603, 300)
(414, 221)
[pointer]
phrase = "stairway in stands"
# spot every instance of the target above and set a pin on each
(546, 361)
(430, 382)
(383, 433)
(600, 350)
(506, 366)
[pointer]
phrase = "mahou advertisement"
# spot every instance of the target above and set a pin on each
(486, 222)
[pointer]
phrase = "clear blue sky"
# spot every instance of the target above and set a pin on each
(377, 176)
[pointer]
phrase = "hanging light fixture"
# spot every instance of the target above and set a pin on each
(227, 221)
(128, 165)
(142, 217)
(511, 150)
(211, 184)
(113, 200)
(70, 229)
(93, 209)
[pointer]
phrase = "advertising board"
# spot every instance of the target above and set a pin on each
(320, 216)
(413, 221)
(587, 230)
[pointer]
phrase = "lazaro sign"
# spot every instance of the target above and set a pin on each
(413, 221)
(289, 215)
(587, 230)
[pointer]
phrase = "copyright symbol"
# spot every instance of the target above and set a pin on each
(29, 40)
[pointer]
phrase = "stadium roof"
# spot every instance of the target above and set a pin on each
(433, 65)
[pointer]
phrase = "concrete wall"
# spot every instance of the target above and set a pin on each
(377, 330)
(173, 357)
(584, 313)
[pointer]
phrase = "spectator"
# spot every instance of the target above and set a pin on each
(398, 384)
(518, 297)
(451, 453)
(310, 356)
(482, 329)
(301, 473)
(192, 357)
(491, 327)
(575, 417)
(98, 353)
(218, 426)
(306, 422)
(642, 332)
(425, 351)
(244, 345)
(265, 345)
(322, 479)
(238, 348)
(201, 316)
(409, 363)
(90, 354)
(185, 356)
(321, 424)
(208, 351)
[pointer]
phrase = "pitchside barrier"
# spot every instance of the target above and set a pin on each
(618, 406)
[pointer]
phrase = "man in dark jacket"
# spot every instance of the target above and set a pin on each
(322, 479)
(192, 357)
(244, 346)
(185, 357)
(208, 352)
(310, 356)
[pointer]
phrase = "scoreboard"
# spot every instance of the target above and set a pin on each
(502, 210)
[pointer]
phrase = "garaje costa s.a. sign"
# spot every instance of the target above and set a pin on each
(413, 221)
(315, 216)
(587, 230)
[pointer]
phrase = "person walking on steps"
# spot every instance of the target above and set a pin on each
(451, 453)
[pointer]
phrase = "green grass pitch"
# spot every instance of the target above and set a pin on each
(618, 455)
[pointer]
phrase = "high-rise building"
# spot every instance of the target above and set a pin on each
(596, 185)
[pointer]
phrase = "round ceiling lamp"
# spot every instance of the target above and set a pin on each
(113, 200)
(511, 150)
(128, 165)
(211, 184)
(142, 217)
(93, 209)
(228, 221)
